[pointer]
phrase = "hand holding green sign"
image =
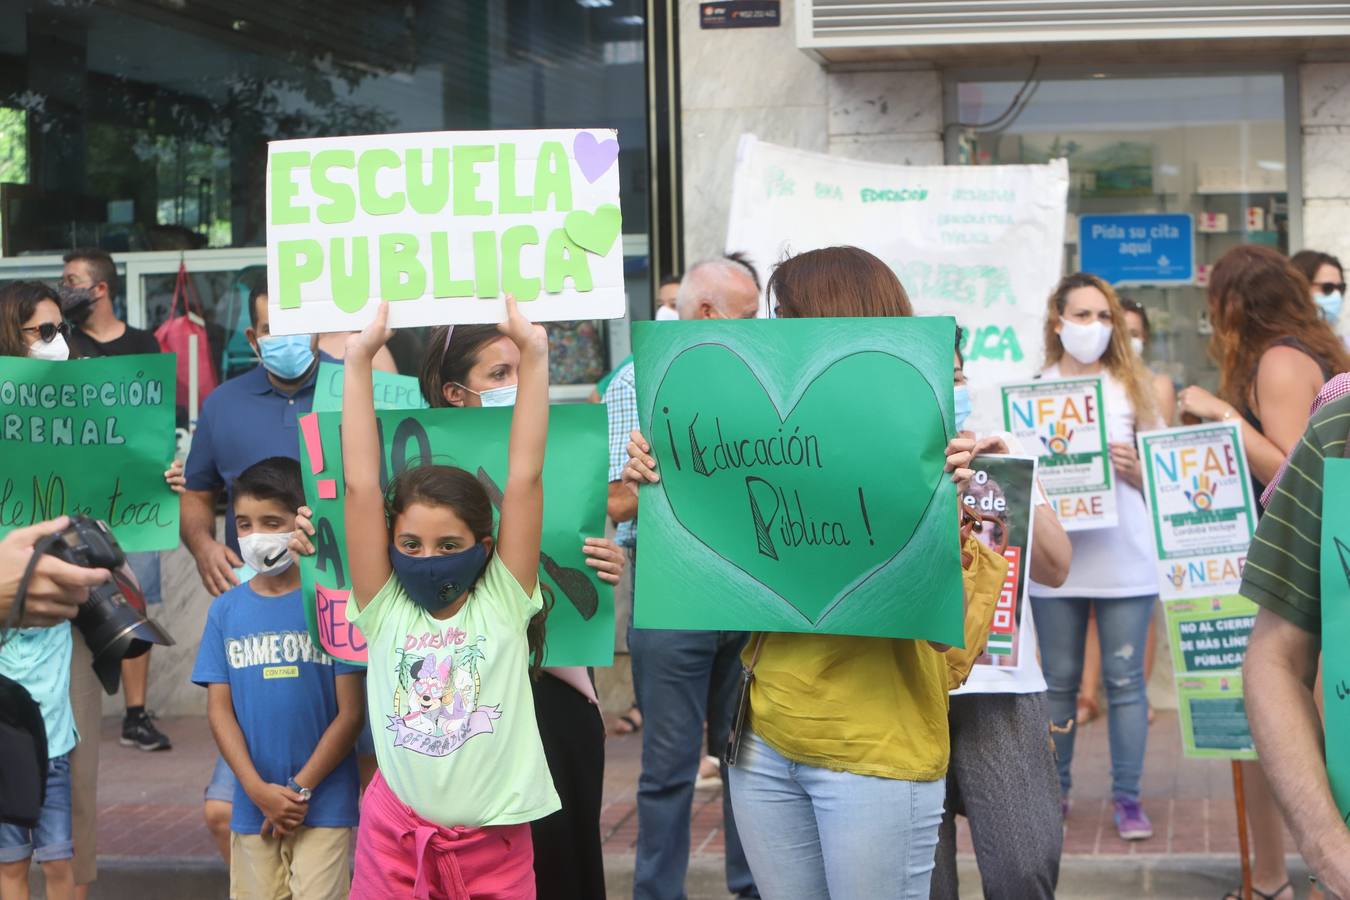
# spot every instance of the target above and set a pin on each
(802, 484)
(444, 223)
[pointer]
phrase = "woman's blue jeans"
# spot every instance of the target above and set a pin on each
(811, 833)
(1122, 626)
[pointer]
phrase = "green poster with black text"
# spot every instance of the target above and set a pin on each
(1336, 626)
(390, 391)
(91, 437)
(802, 485)
(581, 624)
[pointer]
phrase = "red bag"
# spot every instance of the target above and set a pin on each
(174, 337)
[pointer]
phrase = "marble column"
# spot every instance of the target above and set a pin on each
(738, 81)
(888, 117)
(1324, 116)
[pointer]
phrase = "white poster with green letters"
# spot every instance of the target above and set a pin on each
(980, 243)
(442, 224)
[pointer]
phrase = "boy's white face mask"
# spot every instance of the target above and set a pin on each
(266, 554)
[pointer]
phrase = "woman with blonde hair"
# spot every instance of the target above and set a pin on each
(1113, 573)
(1275, 350)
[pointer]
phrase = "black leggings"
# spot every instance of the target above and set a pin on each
(567, 859)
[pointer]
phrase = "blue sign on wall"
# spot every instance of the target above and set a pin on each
(1138, 249)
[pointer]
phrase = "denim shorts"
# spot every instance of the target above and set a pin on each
(50, 840)
(146, 567)
(222, 782)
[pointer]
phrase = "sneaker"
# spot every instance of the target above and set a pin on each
(139, 731)
(1131, 822)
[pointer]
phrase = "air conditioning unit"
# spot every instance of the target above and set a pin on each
(823, 25)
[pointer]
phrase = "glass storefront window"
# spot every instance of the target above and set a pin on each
(1213, 146)
(144, 127)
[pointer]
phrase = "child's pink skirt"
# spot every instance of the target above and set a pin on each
(399, 854)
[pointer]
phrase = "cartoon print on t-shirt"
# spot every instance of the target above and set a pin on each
(436, 698)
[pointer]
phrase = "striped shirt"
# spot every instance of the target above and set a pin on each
(620, 399)
(1283, 571)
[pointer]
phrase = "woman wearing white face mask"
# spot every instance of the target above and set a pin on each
(1112, 574)
(1165, 392)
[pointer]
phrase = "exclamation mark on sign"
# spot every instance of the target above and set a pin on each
(309, 427)
(862, 503)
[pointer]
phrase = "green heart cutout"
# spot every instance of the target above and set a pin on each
(849, 454)
(595, 231)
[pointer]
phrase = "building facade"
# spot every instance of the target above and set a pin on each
(1236, 113)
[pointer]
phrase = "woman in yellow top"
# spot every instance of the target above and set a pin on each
(839, 784)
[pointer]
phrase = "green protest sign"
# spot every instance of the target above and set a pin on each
(1335, 564)
(1214, 717)
(581, 624)
(1209, 635)
(444, 223)
(391, 391)
(1065, 421)
(1003, 493)
(1200, 499)
(801, 477)
(93, 437)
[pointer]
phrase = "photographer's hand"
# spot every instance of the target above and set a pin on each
(57, 587)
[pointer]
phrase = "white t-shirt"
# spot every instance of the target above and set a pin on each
(1119, 561)
(1027, 677)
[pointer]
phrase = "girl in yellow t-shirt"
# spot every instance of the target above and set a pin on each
(839, 785)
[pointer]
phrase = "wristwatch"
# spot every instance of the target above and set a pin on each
(304, 792)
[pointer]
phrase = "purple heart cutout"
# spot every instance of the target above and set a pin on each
(594, 157)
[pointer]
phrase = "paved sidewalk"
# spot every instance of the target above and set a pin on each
(150, 813)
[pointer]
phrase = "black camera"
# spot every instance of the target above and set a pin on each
(113, 619)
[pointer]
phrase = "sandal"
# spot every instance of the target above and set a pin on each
(628, 723)
(1236, 894)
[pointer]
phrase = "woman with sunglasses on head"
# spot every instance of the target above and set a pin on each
(1275, 349)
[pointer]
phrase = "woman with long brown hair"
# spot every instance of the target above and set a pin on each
(1113, 573)
(1275, 350)
(839, 784)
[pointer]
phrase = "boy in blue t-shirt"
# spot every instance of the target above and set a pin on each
(283, 713)
(39, 660)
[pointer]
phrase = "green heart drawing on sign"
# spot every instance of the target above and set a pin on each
(797, 501)
(595, 231)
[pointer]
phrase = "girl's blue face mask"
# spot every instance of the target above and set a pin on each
(961, 397)
(434, 582)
